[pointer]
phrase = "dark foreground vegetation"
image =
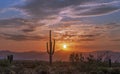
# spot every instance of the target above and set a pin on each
(78, 64)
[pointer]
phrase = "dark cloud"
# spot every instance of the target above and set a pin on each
(69, 36)
(28, 30)
(19, 25)
(109, 26)
(112, 25)
(70, 8)
(86, 39)
(18, 29)
(88, 36)
(65, 24)
(115, 40)
(103, 9)
(15, 22)
(21, 37)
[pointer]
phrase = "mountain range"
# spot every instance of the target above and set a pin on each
(58, 56)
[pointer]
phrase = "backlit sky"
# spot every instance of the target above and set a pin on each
(84, 25)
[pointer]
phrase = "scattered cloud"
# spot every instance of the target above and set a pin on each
(44, 9)
(87, 39)
(12, 22)
(19, 29)
(21, 37)
(49, 14)
(115, 40)
(28, 30)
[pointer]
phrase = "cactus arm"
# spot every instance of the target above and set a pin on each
(47, 48)
(50, 36)
(53, 47)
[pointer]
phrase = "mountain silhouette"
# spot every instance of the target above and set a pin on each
(58, 56)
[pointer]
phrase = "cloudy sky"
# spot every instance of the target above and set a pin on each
(84, 25)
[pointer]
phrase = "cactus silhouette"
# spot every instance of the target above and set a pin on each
(110, 63)
(10, 58)
(50, 47)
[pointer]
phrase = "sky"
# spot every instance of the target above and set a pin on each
(83, 25)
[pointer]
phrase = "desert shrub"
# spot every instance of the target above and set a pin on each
(93, 72)
(42, 69)
(6, 71)
(103, 69)
(4, 63)
(109, 70)
(26, 71)
(81, 63)
(100, 72)
(115, 71)
(9, 72)
(62, 68)
(28, 64)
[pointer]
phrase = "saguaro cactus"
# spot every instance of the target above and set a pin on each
(50, 47)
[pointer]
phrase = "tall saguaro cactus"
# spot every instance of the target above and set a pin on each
(50, 47)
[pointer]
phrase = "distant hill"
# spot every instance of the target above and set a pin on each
(59, 55)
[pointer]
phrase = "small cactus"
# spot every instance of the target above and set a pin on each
(110, 64)
(50, 47)
(10, 58)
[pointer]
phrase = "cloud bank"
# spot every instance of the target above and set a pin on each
(52, 14)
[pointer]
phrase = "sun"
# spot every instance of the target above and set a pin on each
(64, 46)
